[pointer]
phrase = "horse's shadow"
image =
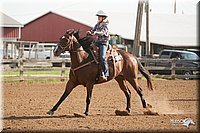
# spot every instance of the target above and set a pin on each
(35, 117)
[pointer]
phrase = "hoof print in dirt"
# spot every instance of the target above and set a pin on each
(150, 112)
(122, 113)
(79, 115)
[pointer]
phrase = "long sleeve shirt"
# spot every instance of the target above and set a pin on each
(101, 30)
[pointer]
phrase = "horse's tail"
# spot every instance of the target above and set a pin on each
(145, 74)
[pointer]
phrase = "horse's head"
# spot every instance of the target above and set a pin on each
(65, 43)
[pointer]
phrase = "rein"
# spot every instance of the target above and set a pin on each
(69, 44)
(62, 48)
(81, 66)
(76, 51)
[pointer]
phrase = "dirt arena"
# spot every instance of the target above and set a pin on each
(26, 104)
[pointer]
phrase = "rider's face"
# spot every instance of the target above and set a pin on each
(100, 19)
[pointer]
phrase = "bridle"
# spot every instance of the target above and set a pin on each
(68, 43)
(70, 40)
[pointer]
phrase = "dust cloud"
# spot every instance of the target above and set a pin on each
(162, 104)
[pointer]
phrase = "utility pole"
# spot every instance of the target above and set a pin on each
(198, 25)
(136, 43)
(147, 28)
(174, 6)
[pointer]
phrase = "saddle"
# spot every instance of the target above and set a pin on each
(111, 54)
(88, 45)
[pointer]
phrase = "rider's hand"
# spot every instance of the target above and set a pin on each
(89, 33)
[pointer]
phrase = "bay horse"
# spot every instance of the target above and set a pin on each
(84, 71)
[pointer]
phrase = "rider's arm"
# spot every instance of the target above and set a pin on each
(102, 32)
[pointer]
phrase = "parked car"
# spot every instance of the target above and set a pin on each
(180, 56)
(37, 51)
(196, 51)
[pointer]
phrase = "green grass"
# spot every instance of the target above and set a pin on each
(154, 78)
(11, 75)
(15, 74)
(54, 72)
(158, 78)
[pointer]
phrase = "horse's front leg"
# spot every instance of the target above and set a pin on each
(69, 87)
(89, 95)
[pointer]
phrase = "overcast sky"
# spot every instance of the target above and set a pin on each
(27, 10)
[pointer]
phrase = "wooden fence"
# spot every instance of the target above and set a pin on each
(19, 47)
(15, 49)
(13, 54)
(149, 64)
(153, 65)
(38, 65)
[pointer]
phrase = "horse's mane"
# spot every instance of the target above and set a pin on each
(85, 42)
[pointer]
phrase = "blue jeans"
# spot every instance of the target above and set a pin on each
(102, 53)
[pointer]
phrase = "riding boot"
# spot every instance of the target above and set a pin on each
(102, 77)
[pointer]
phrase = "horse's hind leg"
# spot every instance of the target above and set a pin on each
(69, 87)
(135, 85)
(125, 89)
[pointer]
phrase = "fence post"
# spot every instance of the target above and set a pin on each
(12, 50)
(21, 70)
(29, 51)
(15, 51)
(5, 50)
(20, 50)
(173, 69)
(36, 51)
(50, 53)
(63, 70)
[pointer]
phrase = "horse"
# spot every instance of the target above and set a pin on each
(84, 71)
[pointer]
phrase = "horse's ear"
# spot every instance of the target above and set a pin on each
(76, 34)
(70, 31)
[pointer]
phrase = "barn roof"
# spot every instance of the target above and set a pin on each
(7, 21)
(50, 27)
(50, 12)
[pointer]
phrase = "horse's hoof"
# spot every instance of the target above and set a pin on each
(128, 110)
(149, 105)
(50, 112)
(86, 113)
(79, 115)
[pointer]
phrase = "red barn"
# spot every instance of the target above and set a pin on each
(11, 28)
(49, 27)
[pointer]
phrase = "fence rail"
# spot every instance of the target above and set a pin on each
(172, 65)
(22, 67)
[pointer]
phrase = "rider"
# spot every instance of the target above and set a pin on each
(102, 40)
